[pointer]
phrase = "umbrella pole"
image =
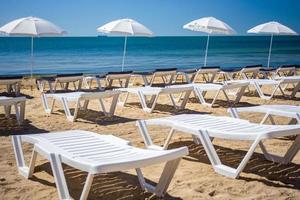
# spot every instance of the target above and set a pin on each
(32, 63)
(124, 52)
(270, 50)
(207, 43)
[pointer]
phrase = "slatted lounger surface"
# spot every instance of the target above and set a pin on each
(154, 93)
(270, 110)
(205, 127)
(13, 83)
(200, 90)
(82, 100)
(94, 153)
(19, 105)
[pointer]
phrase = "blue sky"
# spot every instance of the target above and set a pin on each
(163, 17)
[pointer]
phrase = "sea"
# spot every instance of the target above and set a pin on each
(56, 55)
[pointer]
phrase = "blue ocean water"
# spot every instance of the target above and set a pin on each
(102, 54)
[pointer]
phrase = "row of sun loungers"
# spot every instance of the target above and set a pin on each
(95, 153)
(167, 75)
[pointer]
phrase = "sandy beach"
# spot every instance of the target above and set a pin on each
(194, 179)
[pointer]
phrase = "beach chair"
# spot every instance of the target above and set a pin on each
(285, 70)
(12, 83)
(187, 75)
(275, 85)
(144, 75)
(82, 100)
(89, 79)
(122, 77)
(167, 75)
(19, 105)
(208, 74)
(289, 111)
(206, 127)
(154, 93)
(249, 72)
(289, 80)
(94, 153)
(60, 79)
(200, 90)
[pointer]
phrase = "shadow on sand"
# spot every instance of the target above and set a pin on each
(276, 175)
(116, 185)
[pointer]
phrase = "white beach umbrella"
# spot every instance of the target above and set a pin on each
(271, 28)
(33, 27)
(126, 27)
(209, 25)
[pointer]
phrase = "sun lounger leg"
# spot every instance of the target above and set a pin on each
(46, 105)
(215, 98)
(67, 110)
(295, 90)
(113, 105)
(166, 177)
(87, 186)
(143, 102)
(146, 82)
(145, 134)
(289, 155)
(261, 94)
(239, 94)
(17, 145)
(79, 85)
(7, 110)
(167, 142)
(17, 110)
(198, 93)
(59, 176)
(185, 99)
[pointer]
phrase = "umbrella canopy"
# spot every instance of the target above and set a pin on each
(126, 27)
(209, 25)
(33, 27)
(272, 28)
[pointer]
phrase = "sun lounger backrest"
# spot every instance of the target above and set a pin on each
(251, 68)
(286, 70)
(210, 69)
(118, 75)
(10, 79)
(69, 77)
(165, 72)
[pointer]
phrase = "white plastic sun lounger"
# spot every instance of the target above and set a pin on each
(290, 80)
(82, 100)
(285, 70)
(13, 84)
(208, 73)
(200, 89)
(249, 72)
(206, 127)
(19, 105)
(60, 79)
(167, 75)
(289, 111)
(154, 93)
(94, 153)
(259, 83)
